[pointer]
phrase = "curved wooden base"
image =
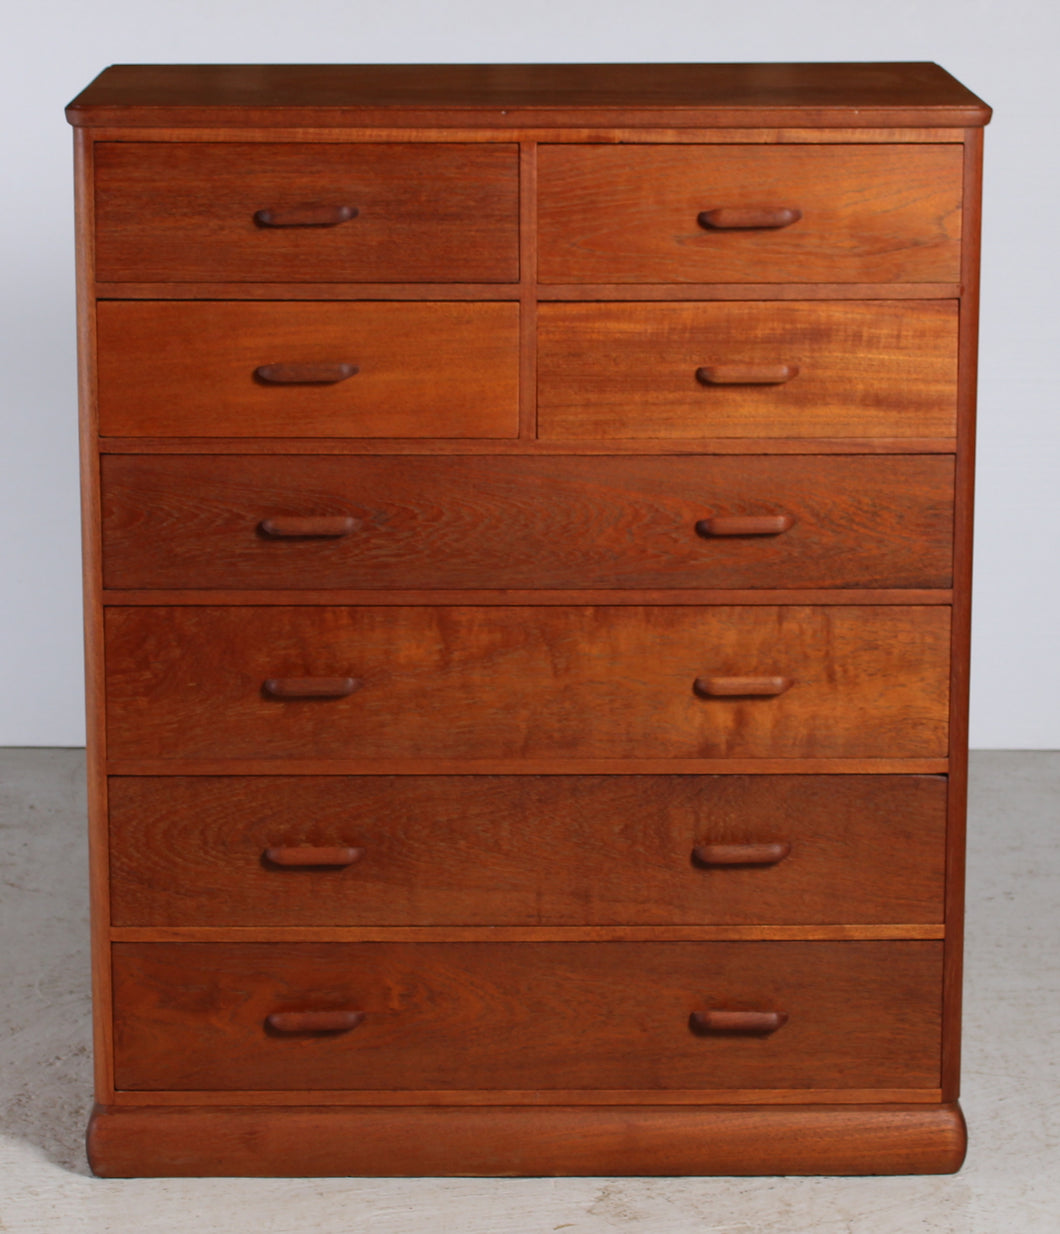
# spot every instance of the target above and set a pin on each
(136, 1141)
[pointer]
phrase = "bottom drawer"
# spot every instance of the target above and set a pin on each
(451, 1016)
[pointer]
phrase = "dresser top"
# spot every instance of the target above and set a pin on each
(512, 96)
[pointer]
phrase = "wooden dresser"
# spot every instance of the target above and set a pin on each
(527, 527)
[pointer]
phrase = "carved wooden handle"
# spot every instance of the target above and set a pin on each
(735, 687)
(309, 214)
(737, 1023)
(708, 855)
(338, 1021)
(303, 856)
(746, 374)
(305, 374)
(732, 218)
(310, 687)
(744, 525)
(308, 527)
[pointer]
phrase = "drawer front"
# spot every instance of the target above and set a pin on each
(514, 682)
(748, 369)
(308, 370)
(193, 212)
(526, 850)
(832, 214)
(245, 521)
(526, 1016)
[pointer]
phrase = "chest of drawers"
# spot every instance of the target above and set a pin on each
(527, 541)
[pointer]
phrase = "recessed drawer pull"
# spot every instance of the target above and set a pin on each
(744, 525)
(733, 218)
(309, 527)
(309, 214)
(313, 1021)
(737, 1023)
(310, 687)
(709, 855)
(746, 374)
(735, 687)
(305, 856)
(305, 374)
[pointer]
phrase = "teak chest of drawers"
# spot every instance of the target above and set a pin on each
(527, 560)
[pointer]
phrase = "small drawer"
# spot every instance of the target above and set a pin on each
(238, 851)
(750, 214)
(205, 369)
(607, 682)
(748, 369)
(438, 1016)
(328, 212)
(172, 521)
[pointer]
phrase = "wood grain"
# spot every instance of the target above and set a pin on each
(172, 522)
(881, 369)
(321, 1140)
(425, 370)
(527, 682)
(682, 597)
(633, 1099)
(509, 850)
(92, 582)
(503, 1015)
(179, 212)
(555, 95)
(213, 290)
(960, 661)
(495, 447)
(532, 934)
(621, 214)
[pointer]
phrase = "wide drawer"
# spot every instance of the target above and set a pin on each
(526, 850)
(770, 214)
(302, 522)
(748, 369)
(514, 682)
(526, 1016)
(326, 212)
(207, 369)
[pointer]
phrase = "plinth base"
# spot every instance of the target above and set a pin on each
(305, 1141)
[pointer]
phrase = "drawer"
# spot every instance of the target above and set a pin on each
(526, 850)
(188, 212)
(748, 369)
(536, 1016)
(524, 682)
(206, 369)
(831, 214)
(244, 521)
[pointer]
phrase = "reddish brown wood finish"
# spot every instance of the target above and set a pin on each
(172, 212)
(497, 97)
(523, 606)
(425, 370)
(493, 850)
(962, 632)
(517, 522)
(620, 214)
(92, 584)
(558, 683)
(884, 369)
(450, 1015)
(500, 1140)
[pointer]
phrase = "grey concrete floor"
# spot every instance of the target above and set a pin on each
(1011, 1181)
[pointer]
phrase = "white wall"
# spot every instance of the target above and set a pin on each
(1005, 50)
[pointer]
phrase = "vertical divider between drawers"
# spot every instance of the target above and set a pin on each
(527, 290)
